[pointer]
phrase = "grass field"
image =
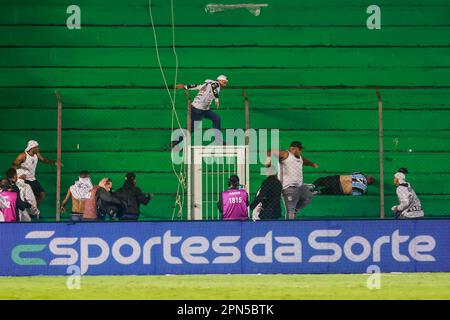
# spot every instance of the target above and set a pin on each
(393, 286)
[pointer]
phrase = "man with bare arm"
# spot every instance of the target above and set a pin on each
(290, 172)
(26, 163)
(208, 91)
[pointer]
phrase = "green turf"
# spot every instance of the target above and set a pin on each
(218, 287)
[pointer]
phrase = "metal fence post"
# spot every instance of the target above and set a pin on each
(58, 158)
(380, 139)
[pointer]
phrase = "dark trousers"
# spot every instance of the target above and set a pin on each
(197, 116)
(270, 215)
(330, 185)
(129, 217)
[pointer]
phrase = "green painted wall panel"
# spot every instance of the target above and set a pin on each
(109, 77)
(94, 140)
(288, 119)
(187, 13)
(231, 98)
(95, 36)
(228, 57)
(113, 94)
(329, 162)
(289, 3)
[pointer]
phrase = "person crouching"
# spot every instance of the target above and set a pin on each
(233, 203)
(410, 206)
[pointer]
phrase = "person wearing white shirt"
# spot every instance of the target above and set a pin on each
(296, 195)
(200, 108)
(410, 206)
(26, 163)
(26, 194)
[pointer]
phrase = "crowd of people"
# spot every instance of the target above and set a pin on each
(288, 185)
(100, 202)
(21, 194)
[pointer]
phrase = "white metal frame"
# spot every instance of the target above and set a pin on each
(196, 157)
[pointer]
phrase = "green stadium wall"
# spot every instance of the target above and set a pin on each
(311, 69)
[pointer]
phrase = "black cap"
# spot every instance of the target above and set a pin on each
(297, 144)
(403, 170)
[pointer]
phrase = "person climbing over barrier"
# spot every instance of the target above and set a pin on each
(296, 195)
(354, 184)
(200, 108)
(26, 163)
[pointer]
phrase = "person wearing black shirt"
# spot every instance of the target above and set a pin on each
(133, 197)
(107, 202)
(266, 205)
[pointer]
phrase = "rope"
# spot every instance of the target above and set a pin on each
(179, 200)
(181, 181)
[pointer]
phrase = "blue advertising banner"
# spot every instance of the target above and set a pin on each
(208, 247)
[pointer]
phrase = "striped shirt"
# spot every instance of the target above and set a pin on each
(359, 184)
(207, 92)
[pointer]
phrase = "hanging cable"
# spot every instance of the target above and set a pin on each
(179, 200)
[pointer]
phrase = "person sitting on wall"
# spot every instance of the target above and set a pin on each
(410, 206)
(78, 192)
(354, 184)
(133, 197)
(26, 195)
(233, 203)
(267, 203)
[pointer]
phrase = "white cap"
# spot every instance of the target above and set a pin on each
(222, 77)
(401, 177)
(31, 145)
